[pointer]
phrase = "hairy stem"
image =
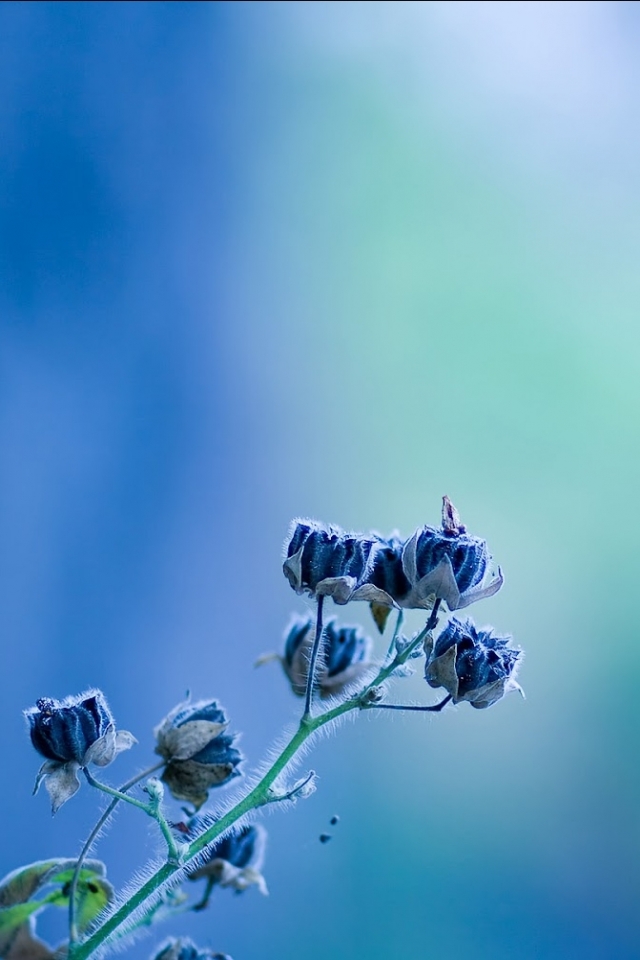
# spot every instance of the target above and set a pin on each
(117, 794)
(257, 797)
(311, 676)
(435, 708)
(73, 889)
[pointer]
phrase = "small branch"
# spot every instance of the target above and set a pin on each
(396, 633)
(73, 889)
(256, 797)
(116, 793)
(311, 676)
(436, 708)
(297, 790)
(208, 890)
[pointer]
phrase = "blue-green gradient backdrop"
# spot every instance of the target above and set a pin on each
(261, 260)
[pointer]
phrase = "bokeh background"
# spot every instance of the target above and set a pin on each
(261, 260)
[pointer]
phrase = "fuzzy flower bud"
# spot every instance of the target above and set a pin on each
(233, 861)
(71, 734)
(344, 657)
(447, 564)
(326, 561)
(471, 664)
(198, 753)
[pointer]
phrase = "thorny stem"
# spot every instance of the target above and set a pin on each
(73, 889)
(256, 797)
(311, 676)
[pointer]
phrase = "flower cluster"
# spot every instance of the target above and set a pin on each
(446, 564)
(70, 734)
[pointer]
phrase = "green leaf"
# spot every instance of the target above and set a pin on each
(11, 918)
(16, 890)
(20, 885)
(93, 892)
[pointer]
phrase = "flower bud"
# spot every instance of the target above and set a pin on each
(447, 564)
(344, 656)
(199, 755)
(234, 860)
(471, 664)
(70, 734)
(325, 561)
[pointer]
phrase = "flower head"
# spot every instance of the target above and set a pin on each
(325, 561)
(199, 754)
(234, 860)
(471, 664)
(70, 734)
(345, 655)
(447, 564)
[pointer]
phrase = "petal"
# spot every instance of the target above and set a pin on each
(49, 766)
(439, 582)
(189, 780)
(409, 558)
(181, 743)
(374, 594)
(124, 741)
(62, 784)
(487, 695)
(441, 672)
(103, 750)
(479, 593)
(292, 568)
(339, 588)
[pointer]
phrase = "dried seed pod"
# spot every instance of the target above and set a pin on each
(71, 734)
(471, 664)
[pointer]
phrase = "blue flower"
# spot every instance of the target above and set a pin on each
(344, 656)
(448, 564)
(199, 753)
(234, 860)
(434, 564)
(325, 561)
(71, 734)
(471, 664)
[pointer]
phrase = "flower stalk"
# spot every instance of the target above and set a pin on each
(259, 796)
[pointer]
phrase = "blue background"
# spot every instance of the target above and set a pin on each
(261, 260)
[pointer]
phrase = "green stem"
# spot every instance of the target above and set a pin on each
(117, 794)
(73, 930)
(254, 799)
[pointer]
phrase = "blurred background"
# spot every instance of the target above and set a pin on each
(264, 260)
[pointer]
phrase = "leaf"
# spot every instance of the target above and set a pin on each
(380, 613)
(17, 889)
(21, 884)
(25, 945)
(11, 918)
(93, 892)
